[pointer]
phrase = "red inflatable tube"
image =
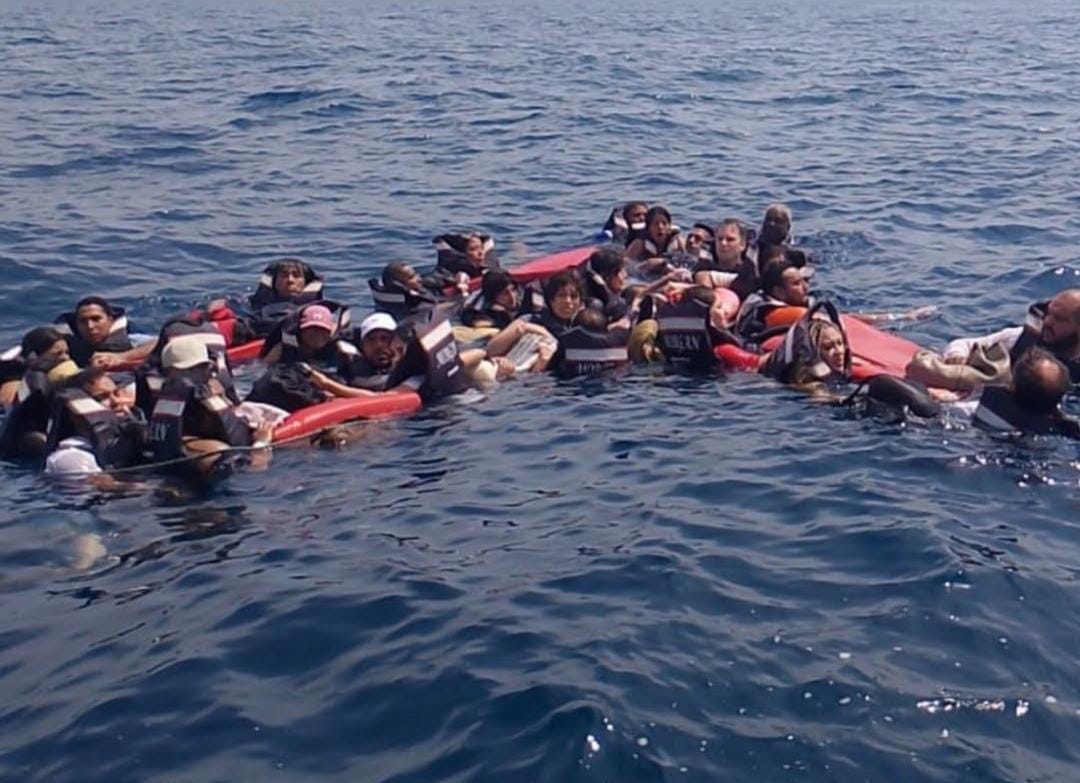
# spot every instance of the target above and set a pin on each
(318, 417)
(735, 358)
(245, 352)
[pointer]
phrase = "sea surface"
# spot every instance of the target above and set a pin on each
(655, 578)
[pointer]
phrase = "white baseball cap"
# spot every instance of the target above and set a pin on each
(184, 354)
(377, 321)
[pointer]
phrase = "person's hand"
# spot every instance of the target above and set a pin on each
(319, 380)
(264, 434)
(105, 360)
(504, 368)
(956, 359)
(461, 283)
(682, 276)
(545, 350)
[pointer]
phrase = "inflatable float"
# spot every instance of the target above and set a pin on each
(873, 352)
(314, 418)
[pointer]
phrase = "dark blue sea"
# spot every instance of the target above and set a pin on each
(652, 579)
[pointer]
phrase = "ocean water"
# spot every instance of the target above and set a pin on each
(651, 579)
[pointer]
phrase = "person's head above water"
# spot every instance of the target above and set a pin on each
(591, 320)
(499, 288)
(658, 224)
(634, 212)
(1039, 381)
(730, 241)
(563, 294)
(378, 338)
(94, 318)
(828, 341)
(784, 281)
(475, 251)
(700, 236)
(289, 278)
(316, 329)
(96, 382)
(609, 264)
(776, 225)
(401, 274)
(1061, 325)
(43, 347)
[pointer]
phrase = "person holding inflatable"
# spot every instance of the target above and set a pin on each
(648, 256)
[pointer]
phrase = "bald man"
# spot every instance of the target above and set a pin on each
(1053, 326)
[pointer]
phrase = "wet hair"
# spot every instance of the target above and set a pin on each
(560, 280)
(1039, 381)
(731, 222)
(394, 272)
(773, 274)
(655, 212)
(819, 327)
(606, 262)
(83, 379)
(39, 340)
(629, 205)
(494, 283)
(289, 263)
(780, 210)
(706, 228)
(591, 319)
(699, 293)
(772, 254)
(95, 300)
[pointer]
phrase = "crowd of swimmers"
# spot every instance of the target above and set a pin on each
(86, 396)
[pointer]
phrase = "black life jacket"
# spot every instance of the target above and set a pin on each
(750, 321)
(451, 258)
(28, 413)
(431, 361)
(400, 302)
(287, 334)
(998, 410)
(116, 341)
(685, 334)
(118, 440)
(1031, 337)
(798, 349)
(265, 293)
(358, 372)
(196, 329)
(547, 319)
(599, 297)
(618, 231)
(181, 398)
(287, 386)
(584, 352)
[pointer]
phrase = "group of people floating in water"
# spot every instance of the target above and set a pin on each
(87, 397)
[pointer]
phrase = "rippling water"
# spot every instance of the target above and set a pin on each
(653, 579)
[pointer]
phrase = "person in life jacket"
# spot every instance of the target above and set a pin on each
(690, 327)
(625, 223)
(782, 285)
(431, 364)
(648, 256)
(589, 347)
(94, 427)
(1031, 403)
(499, 301)
(700, 244)
(191, 328)
(97, 333)
(814, 352)
(308, 335)
(45, 361)
(564, 295)
(192, 416)
(606, 283)
(368, 364)
(776, 232)
(402, 292)
(1053, 326)
(729, 267)
(462, 257)
(284, 286)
